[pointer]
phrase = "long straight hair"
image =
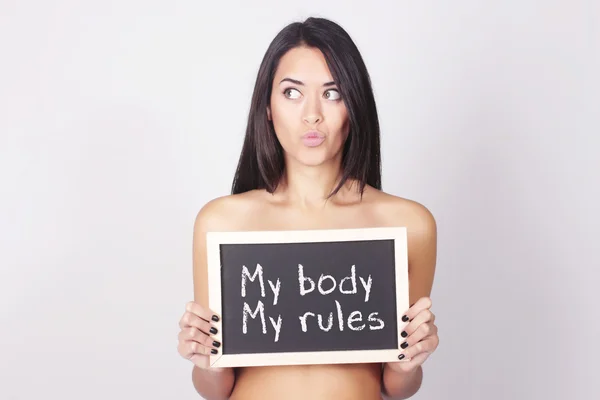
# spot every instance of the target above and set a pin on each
(261, 164)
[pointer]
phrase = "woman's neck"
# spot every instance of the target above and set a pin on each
(309, 187)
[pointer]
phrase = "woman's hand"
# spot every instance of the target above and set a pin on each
(196, 343)
(421, 337)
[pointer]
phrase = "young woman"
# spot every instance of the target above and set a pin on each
(311, 160)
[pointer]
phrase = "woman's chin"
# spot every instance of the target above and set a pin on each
(313, 157)
(315, 160)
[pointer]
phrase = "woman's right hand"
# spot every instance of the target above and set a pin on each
(196, 342)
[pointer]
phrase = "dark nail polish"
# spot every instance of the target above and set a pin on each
(215, 318)
(404, 318)
(213, 330)
(404, 334)
(401, 356)
(404, 345)
(216, 344)
(214, 351)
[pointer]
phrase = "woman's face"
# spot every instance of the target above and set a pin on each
(308, 114)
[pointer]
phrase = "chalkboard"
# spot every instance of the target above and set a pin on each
(308, 297)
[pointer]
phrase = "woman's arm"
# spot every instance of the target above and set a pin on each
(213, 384)
(402, 383)
(210, 383)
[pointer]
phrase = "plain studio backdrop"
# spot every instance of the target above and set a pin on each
(120, 119)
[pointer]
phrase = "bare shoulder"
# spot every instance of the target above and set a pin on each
(421, 229)
(402, 211)
(227, 212)
(221, 214)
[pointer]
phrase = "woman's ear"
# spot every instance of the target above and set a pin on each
(268, 113)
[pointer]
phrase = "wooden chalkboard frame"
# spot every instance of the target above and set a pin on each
(398, 234)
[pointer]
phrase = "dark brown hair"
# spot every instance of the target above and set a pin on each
(261, 164)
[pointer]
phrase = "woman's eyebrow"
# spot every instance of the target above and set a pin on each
(297, 82)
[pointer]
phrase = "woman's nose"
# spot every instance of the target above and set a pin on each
(312, 112)
(312, 119)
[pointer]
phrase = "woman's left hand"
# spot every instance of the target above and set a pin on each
(421, 337)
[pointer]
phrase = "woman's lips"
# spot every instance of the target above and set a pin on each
(313, 139)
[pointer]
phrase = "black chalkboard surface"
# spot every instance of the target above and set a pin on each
(308, 297)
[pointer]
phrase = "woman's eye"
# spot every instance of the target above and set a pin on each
(332, 94)
(288, 93)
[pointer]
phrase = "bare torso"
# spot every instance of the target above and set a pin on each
(344, 381)
(258, 210)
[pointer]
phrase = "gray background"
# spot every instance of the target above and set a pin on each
(120, 119)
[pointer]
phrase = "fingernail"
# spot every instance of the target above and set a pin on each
(214, 351)
(216, 344)
(213, 330)
(404, 334)
(404, 345)
(404, 318)
(401, 356)
(215, 318)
